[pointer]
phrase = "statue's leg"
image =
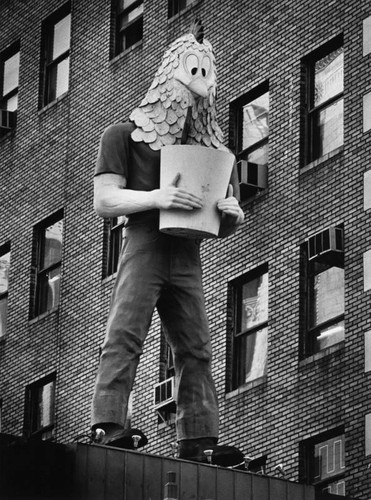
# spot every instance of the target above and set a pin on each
(136, 290)
(182, 311)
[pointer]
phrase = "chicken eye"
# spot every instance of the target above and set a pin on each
(206, 65)
(191, 64)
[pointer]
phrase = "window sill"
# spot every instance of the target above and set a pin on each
(109, 279)
(246, 387)
(323, 159)
(52, 104)
(322, 354)
(8, 134)
(183, 11)
(127, 51)
(43, 315)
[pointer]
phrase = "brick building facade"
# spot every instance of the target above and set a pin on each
(288, 296)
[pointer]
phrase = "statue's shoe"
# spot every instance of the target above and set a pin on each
(128, 439)
(205, 450)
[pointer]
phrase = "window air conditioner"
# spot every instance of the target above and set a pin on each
(163, 393)
(253, 177)
(7, 120)
(326, 243)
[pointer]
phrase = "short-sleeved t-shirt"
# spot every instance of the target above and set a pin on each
(136, 161)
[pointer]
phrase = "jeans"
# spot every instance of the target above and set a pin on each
(163, 271)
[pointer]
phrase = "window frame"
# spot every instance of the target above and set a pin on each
(236, 127)
(235, 360)
(5, 249)
(307, 459)
(112, 244)
(120, 44)
(48, 65)
(311, 333)
(39, 271)
(311, 151)
(31, 428)
(5, 56)
(175, 7)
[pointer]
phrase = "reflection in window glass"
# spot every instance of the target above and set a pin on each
(330, 128)
(4, 272)
(255, 347)
(327, 295)
(3, 315)
(4, 283)
(11, 74)
(329, 459)
(329, 76)
(255, 121)
(53, 244)
(254, 302)
(61, 38)
(45, 413)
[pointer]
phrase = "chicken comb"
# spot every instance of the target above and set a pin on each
(197, 30)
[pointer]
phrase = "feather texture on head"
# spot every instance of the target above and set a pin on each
(185, 79)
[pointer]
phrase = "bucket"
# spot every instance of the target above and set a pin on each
(205, 172)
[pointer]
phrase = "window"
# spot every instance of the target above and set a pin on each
(324, 462)
(250, 133)
(40, 408)
(129, 23)
(324, 111)
(10, 78)
(4, 284)
(48, 257)
(114, 236)
(164, 391)
(176, 6)
(323, 291)
(55, 58)
(250, 328)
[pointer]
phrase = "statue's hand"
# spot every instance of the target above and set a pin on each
(174, 197)
(230, 206)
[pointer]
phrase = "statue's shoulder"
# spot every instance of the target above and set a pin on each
(121, 130)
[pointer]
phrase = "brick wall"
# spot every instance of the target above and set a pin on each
(48, 163)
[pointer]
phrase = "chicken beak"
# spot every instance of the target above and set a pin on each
(199, 87)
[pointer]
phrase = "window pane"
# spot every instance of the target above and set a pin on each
(61, 36)
(329, 76)
(253, 351)
(11, 73)
(3, 315)
(125, 4)
(330, 336)
(12, 103)
(4, 272)
(258, 157)
(329, 458)
(63, 70)
(130, 16)
(45, 416)
(131, 35)
(255, 121)
(254, 302)
(329, 128)
(53, 290)
(53, 244)
(326, 296)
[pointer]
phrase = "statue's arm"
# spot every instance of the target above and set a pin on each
(113, 199)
